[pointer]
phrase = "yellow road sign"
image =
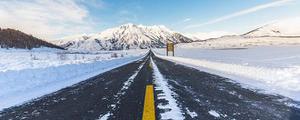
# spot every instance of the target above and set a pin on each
(170, 47)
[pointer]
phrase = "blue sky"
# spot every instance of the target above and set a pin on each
(69, 17)
(177, 14)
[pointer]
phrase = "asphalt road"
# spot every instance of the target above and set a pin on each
(119, 95)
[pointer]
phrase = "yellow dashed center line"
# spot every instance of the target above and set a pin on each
(150, 65)
(149, 108)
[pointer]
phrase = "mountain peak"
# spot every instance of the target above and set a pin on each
(126, 36)
(141, 26)
(129, 25)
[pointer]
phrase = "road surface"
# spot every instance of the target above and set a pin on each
(179, 93)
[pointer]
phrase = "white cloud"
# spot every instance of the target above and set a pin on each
(187, 19)
(46, 19)
(93, 3)
(243, 12)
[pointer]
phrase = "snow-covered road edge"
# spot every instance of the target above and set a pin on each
(45, 81)
(167, 94)
(273, 81)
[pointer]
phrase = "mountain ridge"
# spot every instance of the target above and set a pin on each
(126, 36)
(11, 38)
(280, 28)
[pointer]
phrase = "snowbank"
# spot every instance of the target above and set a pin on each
(274, 70)
(29, 78)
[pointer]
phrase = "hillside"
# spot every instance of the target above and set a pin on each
(10, 38)
(127, 36)
(287, 27)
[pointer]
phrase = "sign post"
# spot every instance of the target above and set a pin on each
(170, 47)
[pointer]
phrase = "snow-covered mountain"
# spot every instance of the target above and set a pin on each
(287, 27)
(127, 36)
(282, 32)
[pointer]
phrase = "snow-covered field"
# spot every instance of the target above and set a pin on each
(242, 42)
(272, 69)
(28, 74)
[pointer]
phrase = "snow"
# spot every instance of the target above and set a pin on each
(214, 113)
(272, 69)
(192, 114)
(167, 94)
(104, 117)
(126, 85)
(28, 74)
